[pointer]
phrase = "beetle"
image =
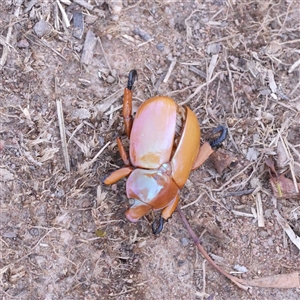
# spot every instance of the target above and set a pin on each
(164, 148)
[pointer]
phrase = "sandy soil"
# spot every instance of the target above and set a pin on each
(63, 234)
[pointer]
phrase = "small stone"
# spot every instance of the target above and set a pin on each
(268, 213)
(180, 263)
(34, 231)
(263, 233)
(142, 33)
(160, 46)
(23, 43)
(184, 242)
(82, 113)
(185, 81)
(10, 235)
(110, 79)
(41, 28)
(270, 242)
(90, 19)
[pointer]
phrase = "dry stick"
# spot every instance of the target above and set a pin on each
(204, 278)
(232, 178)
(3, 269)
(239, 282)
(104, 54)
(87, 164)
(32, 38)
(231, 83)
(172, 65)
(8, 36)
(132, 6)
(63, 14)
(84, 4)
(291, 162)
(199, 88)
(260, 211)
(63, 134)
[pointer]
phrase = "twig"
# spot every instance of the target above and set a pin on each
(171, 67)
(192, 203)
(8, 36)
(199, 88)
(239, 282)
(239, 193)
(84, 4)
(231, 83)
(88, 47)
(232, 178)
(122, 293)
(104, 54)
(242, 214)
(87, 164)
(32, 38)
(62, 130)
(3, 269)
(288, 230)
(291, 162)
(259, 209)
(64, 15)
(132, 6)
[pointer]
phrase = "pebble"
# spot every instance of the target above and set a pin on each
(184, 242)
(263, 233)
(110, 79)
(41, 28)
(142, 33)
(270, 242)
(23, 43)
(160, 46)
(268, 213)
(185, 81)
(34, 231)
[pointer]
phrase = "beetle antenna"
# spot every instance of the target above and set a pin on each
(160, 226)
(217, 142)
(132, 77)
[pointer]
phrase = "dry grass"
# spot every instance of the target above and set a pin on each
(64, 234)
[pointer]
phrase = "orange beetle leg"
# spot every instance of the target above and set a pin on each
(127, 102)
(203, 154)
(117, 175)
(209, 147)
(137, 210)
(127, 111)
(167, 212)
(123, 152)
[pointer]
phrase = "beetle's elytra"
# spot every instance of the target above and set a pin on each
(164, 148)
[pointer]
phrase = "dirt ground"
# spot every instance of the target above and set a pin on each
(63, 234)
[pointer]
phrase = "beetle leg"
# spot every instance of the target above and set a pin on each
(208, 148)
(127, 102)
(159, 228)
(165, 215)
(168, 211)
(205, 151)
(132, 77)
(117, 175)
(224, 131)
(123, 152)
(137, 210)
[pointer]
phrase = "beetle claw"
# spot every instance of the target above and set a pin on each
(132, 77)
(215, 143)
(160, 226)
